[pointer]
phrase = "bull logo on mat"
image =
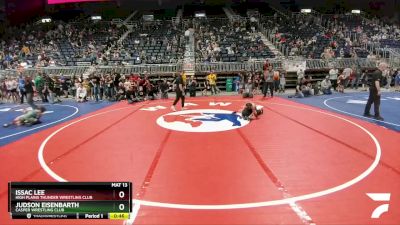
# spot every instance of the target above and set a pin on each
(202, 120)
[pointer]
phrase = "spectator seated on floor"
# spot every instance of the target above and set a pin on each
(298, 93)
(326, 86)
(248, 89)
(81, 93)
(303, 88)
(164, 88)
(317, 88)
(306, 86)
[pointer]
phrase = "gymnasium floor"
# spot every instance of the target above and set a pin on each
(304, 161)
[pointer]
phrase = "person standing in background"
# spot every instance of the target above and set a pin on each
(358, 75)
(192, 86)
(333, 75)
(276, 78)
(375, 92)
(64, 85)
(347, 73)
(212, 79)
(21, 88)
(95, 81)
(39, 85)
(282, 83)
(29, 90)
(397, 80)
(164, 88)
(179, 90)
(266, 65)
(300, 75)
(364, 80)
(340, 82)
(50, 88)
(184, 80)
(13, 86)
(355, 82)
(268, 82)
(207, 86)
(388, 75)
(237, 81)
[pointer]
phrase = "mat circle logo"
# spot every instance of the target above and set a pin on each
(202, 120)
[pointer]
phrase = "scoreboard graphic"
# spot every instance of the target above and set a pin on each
(70, 200)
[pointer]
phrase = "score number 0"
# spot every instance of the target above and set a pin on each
(121, 195)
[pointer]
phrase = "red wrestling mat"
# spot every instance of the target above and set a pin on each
(294, 165)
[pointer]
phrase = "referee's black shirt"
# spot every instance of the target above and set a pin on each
(375, 76)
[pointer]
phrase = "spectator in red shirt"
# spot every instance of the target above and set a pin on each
(266, 65)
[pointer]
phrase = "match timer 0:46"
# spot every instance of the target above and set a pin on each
(70, 200)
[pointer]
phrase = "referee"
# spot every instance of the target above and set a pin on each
(375, 92)
(179, 90)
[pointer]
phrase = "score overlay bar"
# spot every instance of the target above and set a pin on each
(70, 200)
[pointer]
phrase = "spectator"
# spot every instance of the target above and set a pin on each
(282, 83)
(51, 89)
(120, 92)
(12, 86)
(306, 87)
(237, 82)
(248, 89)
(164, 88)
(40, 88)
(255, 81)
(347, 79)
(81, 93)
(371, 56)
(333, 75)
(206, 86)
(110, 87)
(276, 78)
(87, 85)
(266, 65)
(397, 80)
(268, 82)
(21, 88)
(298, 91)
(300, 74)
(64, 85)
(212, 79)
(364, 80)
(341, 82)
(388, 77)
(29, 90)
(326, 86)
(192, 86)
(95, 83)
(356, 73)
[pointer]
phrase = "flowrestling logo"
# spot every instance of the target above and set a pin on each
(202, 120)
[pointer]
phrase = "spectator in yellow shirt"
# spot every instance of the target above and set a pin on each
(26, 50)
(212, 79)
(183, 74)
(184, 77)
